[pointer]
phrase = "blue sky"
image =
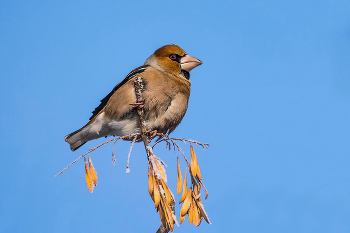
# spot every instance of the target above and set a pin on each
(272, 98)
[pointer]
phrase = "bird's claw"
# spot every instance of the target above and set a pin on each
(151, 134)
(140, 104)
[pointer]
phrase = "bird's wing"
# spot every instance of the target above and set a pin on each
(125, 80)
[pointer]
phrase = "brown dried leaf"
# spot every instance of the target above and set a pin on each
(202, 210)
(88, 178)
(162, 215)
(186, 205)
(169, 216)
(194, 164)
(206, 191)
(197, 214)
(184, 191)
(163, 206)
(179, 177)
(161, 170)
(166, 192)
(150, 184)
(196, 188)
(92, 171)
(182, 218)
(191, 212)
(156, 194)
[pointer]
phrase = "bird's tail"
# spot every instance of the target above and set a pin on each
(76, 139)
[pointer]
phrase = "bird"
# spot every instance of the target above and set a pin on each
(166, 93)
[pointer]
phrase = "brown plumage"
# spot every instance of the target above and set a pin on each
(166, 94)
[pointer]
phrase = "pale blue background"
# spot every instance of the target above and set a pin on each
(272, 98)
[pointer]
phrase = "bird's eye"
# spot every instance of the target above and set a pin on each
(173, 57)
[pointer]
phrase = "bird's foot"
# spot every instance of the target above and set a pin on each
(140, 104)
(151, 134)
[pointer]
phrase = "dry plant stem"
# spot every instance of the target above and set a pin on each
(113, 155)
(162, 229)
(91, 150)
(204, 145)
(127, 163)
(138, 84)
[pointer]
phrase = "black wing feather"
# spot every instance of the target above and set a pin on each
(126, 79)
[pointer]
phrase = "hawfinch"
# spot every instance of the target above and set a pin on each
(167, 89)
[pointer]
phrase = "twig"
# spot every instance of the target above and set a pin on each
(91, 150)
(127, 163)
(113, 156)
(204, 145)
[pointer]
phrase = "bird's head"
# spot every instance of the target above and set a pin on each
(172, 58)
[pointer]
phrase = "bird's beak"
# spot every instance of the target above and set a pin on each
(188, 63)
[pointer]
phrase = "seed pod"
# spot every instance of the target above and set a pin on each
(194, 164)
(179, 177)
(169, 216)
(166, 192)
(156, 193)
(184, 191)
(150, 184)
(88, 178)
(92, 171)
(191, 212)
(161, 170)
(186, 205)
(182, 218)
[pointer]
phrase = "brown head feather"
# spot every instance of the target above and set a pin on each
(162, 56)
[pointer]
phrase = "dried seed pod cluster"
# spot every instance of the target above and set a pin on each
(90, 175)
(160, 193)
(191, 199)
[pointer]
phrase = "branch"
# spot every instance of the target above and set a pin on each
(139, 87)
(91, 150)
(162, 229)
(127, 163)
(204, 145)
